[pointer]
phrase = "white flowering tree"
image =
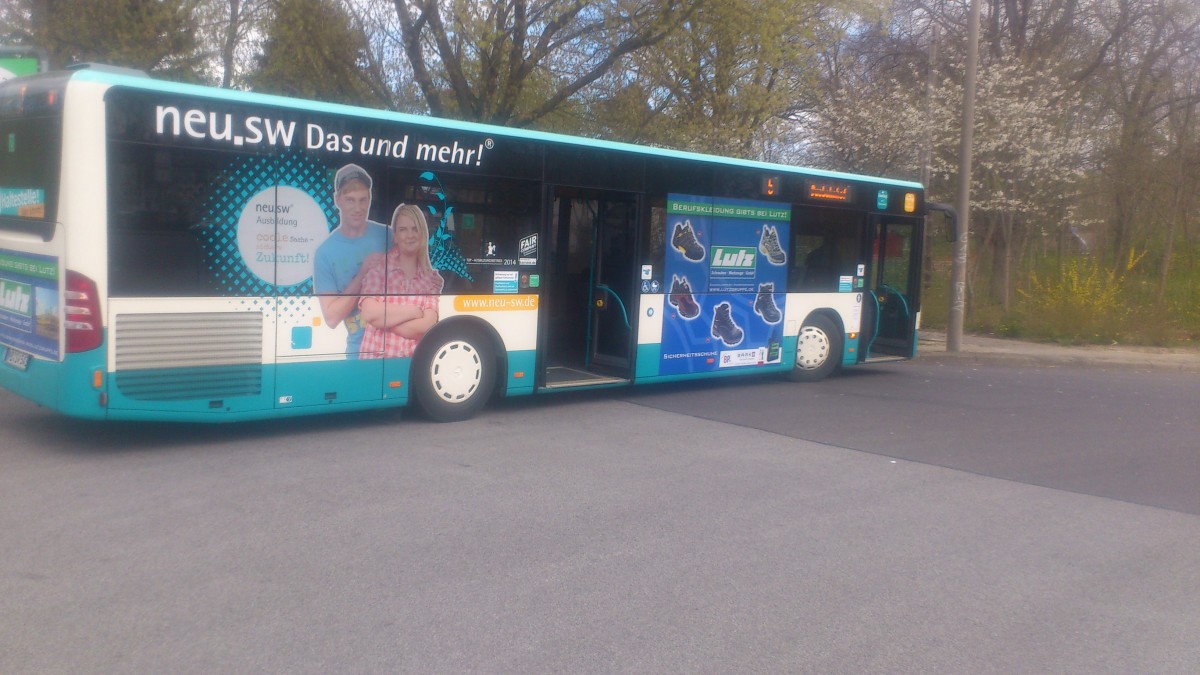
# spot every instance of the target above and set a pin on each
(1027, 159)
(872, 127)
(886, 109)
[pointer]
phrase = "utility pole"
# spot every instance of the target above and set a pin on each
(958, 272)
(927, 151)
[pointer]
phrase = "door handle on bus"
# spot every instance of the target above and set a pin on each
(609, 291)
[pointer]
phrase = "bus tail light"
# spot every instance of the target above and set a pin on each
(84, 329)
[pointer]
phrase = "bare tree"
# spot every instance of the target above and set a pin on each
(226, 29)
(515, 61)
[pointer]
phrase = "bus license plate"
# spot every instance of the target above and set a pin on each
(16, 358)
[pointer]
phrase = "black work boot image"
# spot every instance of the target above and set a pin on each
(681, 298)
(724, 328)
(764, 304)
(683, 239)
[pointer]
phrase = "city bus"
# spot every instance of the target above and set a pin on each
(178, 252)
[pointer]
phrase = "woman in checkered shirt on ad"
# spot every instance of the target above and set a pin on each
(400, 290)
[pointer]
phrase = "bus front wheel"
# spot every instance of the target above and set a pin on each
(818, 350)
(452, 374)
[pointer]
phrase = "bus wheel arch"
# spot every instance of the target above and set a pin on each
(456, 369)
(819, 347)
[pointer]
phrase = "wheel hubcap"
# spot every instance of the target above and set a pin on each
(812, 349)
(456, 371)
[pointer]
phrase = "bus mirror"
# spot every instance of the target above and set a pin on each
(949, 218)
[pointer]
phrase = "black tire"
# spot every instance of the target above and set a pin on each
(453, 373)
(818, 350)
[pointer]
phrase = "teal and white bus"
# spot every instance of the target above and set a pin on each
(176, 252)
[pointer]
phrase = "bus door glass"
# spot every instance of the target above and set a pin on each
(589, 288)
(892, 302)
(612, 288)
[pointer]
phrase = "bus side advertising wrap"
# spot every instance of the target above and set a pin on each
(340, 229)
(726, 272)
(29, 303)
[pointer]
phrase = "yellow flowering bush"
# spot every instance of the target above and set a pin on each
(1086, 302)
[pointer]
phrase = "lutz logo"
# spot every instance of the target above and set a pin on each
(733, 257)
(15, 297)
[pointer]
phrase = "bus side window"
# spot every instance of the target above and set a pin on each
(825, 248)
(822, 266)
(156, 229)
(819, 260)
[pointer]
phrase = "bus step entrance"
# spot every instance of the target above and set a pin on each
(884, 358)
(561, 377)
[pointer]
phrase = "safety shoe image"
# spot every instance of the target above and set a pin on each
(764, 304)
(768, 245)
(683, 239)
(681, 298)
(724, 328)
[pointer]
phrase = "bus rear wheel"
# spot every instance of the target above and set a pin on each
(453, 374)
(818, 350)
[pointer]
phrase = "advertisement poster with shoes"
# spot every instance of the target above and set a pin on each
(725, 274)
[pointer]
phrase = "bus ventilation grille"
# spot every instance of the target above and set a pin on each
(193, 356)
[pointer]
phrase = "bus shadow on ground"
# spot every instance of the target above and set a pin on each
(43, 428)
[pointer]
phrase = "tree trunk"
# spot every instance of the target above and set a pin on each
(1006, 263)
(1178, 216)
(229, 44)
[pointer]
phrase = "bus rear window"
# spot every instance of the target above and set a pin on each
(29, 160)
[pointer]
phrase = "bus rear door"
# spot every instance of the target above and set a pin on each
(588, 331)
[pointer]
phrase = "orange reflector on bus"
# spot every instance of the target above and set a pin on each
(395, 384)
(519, 375)
(97, 379)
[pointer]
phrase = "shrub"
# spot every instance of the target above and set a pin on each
(1085, 303)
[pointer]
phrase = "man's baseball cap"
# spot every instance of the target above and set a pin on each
(351, 172)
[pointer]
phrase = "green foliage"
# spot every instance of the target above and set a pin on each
(156, 36)
(714, 85)
(313, 50)
(1086, 302)
(1079, 300)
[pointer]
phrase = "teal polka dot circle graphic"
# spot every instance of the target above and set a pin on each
(246, 178)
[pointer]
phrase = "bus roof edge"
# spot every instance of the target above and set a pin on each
(104, 67)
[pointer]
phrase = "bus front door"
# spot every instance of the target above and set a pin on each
(589, 288)
(891, 302)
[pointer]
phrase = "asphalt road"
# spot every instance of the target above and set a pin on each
(1113, 432)
(990, 520)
